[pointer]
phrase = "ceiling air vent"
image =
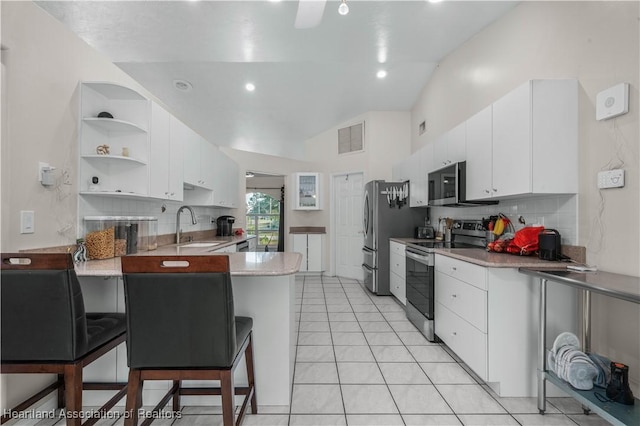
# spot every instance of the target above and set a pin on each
(351, 139)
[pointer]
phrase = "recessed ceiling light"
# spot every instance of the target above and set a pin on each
(381, 74)
(435, 1)
(343, 9)
(250, 87)
(182, 85)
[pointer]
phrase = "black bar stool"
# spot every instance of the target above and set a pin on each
(45, 330)
(181, 326)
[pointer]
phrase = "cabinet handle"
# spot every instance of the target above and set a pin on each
(454, 295)
(173, 193)
(453, 268)
(495, 190)
(455, 333)
(487, 191)
(444, 163)
(166, 193)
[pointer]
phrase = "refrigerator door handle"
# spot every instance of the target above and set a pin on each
(367, 268)
(367, 250)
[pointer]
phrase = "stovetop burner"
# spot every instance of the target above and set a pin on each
(465, 233)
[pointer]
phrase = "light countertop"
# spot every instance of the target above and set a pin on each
(241, 264)
(480, 256)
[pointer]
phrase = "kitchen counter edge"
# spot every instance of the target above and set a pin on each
(481, 257)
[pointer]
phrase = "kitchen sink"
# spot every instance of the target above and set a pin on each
(195, 245)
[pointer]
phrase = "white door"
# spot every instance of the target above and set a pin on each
(348, 237)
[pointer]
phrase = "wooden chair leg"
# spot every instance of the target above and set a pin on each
(176, 396)
(73, 393)
(61, 401)
(228, 403)
(248, 357)
(134, 398)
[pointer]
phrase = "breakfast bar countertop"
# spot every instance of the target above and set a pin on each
(241, 264)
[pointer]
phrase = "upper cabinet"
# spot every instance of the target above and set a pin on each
(307, 191)
(198, 159)
(113, 140)
(226, 186)
(451, 147)
(480, 155)
(535, 140)
(165, 165)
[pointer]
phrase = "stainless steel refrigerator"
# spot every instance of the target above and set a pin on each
(386, 215)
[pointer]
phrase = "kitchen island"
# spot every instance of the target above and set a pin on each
(264, 289)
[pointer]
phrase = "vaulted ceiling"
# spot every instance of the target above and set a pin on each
(306, 80)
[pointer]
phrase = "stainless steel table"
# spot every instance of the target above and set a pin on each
(605, 283)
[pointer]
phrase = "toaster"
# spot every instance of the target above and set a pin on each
(424, 232)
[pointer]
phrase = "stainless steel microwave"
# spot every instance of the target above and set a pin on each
(447, 187)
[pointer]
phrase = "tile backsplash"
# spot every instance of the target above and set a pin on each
(111, 206)
(559, 212)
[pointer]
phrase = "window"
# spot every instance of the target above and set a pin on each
(263, 219)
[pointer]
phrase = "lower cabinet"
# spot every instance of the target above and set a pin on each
(397, 271)
(489, 318)
(310, 246)
(227, 249)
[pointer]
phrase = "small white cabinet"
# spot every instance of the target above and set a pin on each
(307, 191)
(225, 184)
(310, 246)
(414, 169)
(165, 164)
(123, 171)
(397, 271)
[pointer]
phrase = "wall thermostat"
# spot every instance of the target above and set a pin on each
(612, 102)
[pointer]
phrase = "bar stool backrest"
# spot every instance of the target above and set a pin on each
(180, 311)
(43, 315)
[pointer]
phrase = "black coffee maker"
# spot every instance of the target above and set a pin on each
(225, 225)
(549, 245)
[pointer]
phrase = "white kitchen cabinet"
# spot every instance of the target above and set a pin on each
(450, 147)
(489, 317)
(253, 243)
(165, 162)
(535, 139)
(123, 171)
(198, 158)
(310, 246)
(414, 169)
(480, 155)
(307, 191)
(397, 271)
(225, 184)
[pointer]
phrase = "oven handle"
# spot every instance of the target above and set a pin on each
(426, 260)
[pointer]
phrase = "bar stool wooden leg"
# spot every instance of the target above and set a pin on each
(73, 393)
(61, 401)
(134, 398)
(248, 357)
(228, 403)
(176, 396)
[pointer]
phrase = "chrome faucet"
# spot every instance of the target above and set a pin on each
(193, 220)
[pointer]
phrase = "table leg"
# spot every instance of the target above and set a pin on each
(586, 329)
(542, 338)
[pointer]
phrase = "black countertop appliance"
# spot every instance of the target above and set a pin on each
(225, 225)
(549, 245)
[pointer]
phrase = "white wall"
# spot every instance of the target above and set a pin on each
(597, 43)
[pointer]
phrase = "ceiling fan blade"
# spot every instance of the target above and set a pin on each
(309, 13)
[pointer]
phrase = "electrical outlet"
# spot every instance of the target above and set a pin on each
(611, 179)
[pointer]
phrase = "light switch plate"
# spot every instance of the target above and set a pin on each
(611, 179)
(612, 102)
(27, 221)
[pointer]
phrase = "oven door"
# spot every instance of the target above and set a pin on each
(420, 281)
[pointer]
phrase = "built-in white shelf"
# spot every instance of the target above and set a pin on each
(115, 91)
(114, 158)
(113, 124)
(115, 194)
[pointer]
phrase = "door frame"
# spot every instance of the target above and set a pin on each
(333, 213)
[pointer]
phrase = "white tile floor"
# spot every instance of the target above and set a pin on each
(360, 362)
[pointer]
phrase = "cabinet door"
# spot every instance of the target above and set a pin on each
(440, 152)
(479, 155)
(232, 178)
(191, 152)
(208, 171)
(314, 252)
(300, 246)
(160, 152)
(512, 143)
(307, 191)
(457, 143)
(397, 286)
(176, 168)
